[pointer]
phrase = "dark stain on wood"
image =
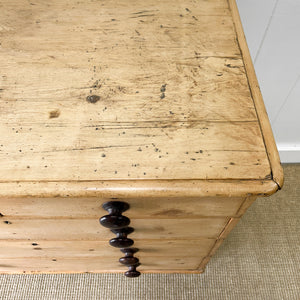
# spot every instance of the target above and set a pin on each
(163, 88)
(54, 114)
(96, 84)
(7, 222)
(231, 66)
(92, 98)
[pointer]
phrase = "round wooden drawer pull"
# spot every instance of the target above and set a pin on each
(121, 241)
(115, 219)
(118, 224)
(130, 261)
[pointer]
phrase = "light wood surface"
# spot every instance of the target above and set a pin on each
(155, 103)
(141, 208)
(94, 264)
(139, 188)
(174, 103)
(90, 229)
(67, 249)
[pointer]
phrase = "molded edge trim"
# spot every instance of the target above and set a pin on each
(277, 171)
(138, 188)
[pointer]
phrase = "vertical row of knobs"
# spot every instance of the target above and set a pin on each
(118, 224)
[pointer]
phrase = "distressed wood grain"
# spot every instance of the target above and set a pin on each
(141, 208)
(139, 91)
(90, 229)
(155, 103)
(85, 248)
(96, 265)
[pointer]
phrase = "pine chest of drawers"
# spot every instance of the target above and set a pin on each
(151, 108)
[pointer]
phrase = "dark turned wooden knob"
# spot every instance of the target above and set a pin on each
(132, 272)
(121, 240)
(115, 207)
(114, 222)
(130, 261)
(115, 219)
(129, 251)
(118, 224)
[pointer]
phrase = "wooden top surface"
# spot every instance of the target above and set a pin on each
(129, 90)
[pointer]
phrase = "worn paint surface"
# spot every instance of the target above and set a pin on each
(94, 90)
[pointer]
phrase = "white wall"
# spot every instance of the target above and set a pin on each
(272, 29)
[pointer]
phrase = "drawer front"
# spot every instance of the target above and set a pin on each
(95, 265)
(90, 229)
(140, 208)
(64, 234)
(84, 249)
(98, 256)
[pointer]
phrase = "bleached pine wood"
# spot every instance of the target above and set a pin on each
(90, 229)
(142, 208)
(171, 153)
(188, 109)
(94, 265)
(138, 188)
(66, 249)
(152, 102)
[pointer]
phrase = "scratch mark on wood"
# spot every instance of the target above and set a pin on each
(92, 148)
(144, 11)
(140, 16)
(232, 66)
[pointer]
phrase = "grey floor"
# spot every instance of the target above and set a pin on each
(259, 260)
